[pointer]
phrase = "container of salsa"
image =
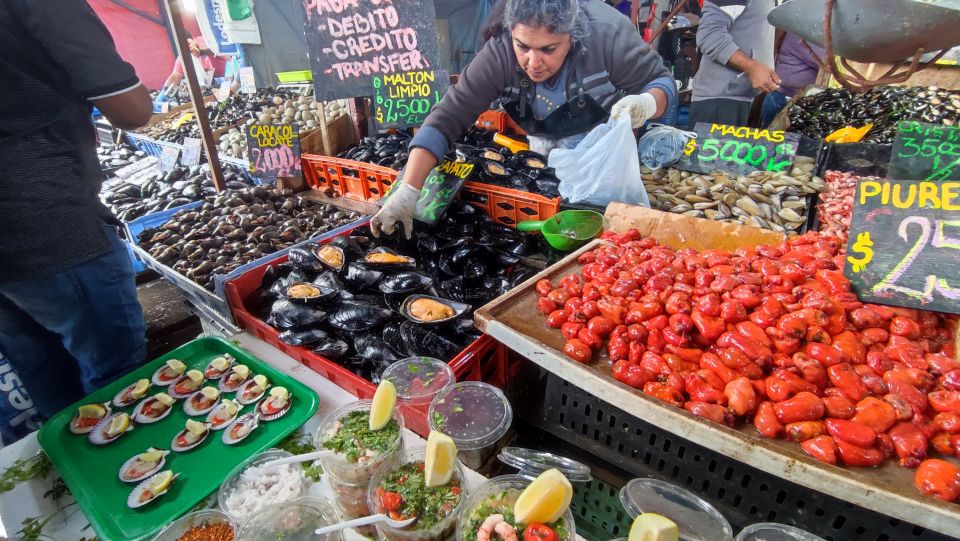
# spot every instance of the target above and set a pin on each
(696, 519)
(207, 522)
(497, 497)
(772, 531)
(401, 493)
(359, 453)
(419, 379)
(475, 415)
(295, 520)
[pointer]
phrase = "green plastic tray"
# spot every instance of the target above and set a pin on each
(289, 77)
(91, 471)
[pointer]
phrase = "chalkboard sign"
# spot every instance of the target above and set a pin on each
(168, 158)
(191, 152)
(904, 246)
(925, 151)
(439, 190)
(351, 41)
(274, 150)
(739, 150)
(405, 99)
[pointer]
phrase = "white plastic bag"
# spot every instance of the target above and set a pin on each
(604, 167)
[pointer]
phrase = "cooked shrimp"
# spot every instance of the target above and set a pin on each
(498, 525)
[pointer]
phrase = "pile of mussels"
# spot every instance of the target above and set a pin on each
(234, 228)
(113, 157)
(152, 190)
(829, 110)
(366, 302)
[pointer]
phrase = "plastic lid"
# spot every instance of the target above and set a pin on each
(419, 379)
(697, 519)
(532, 463)
(771, 531)
(472, 413)
(293, 521)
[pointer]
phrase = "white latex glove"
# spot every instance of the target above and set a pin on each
(400, 207)
(639, 108)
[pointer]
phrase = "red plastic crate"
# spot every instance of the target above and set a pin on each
(508, 206)
(347, 178)
(483, 360)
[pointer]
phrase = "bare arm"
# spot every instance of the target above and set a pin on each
(128, 110)
(419, 164)
(662, 100)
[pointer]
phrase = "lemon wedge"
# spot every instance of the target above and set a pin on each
(161, 482)
(440, 460)
(241, 371)
(140, 388)
(151, 456)
(118, 425)
(261, 381)
(229, 407)
(195, 376)
(545, 500)
(653, 527)
(92, 411)
(164, 399)
(210, 393)
(176, 365)
(195, 427)
(220, 363)
(384, 400)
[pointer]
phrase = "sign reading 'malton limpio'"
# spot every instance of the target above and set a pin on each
(352, 41)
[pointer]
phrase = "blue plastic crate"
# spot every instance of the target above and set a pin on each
(135, 227)
(244, 166)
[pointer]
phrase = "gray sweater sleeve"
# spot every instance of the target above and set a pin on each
(713, 36)
(631, 62)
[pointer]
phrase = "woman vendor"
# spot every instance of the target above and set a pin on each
(559, 68)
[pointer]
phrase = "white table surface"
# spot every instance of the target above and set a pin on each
(26, 500)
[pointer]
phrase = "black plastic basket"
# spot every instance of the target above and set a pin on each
(744, 494)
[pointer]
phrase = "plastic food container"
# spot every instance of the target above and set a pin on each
(771, 531)
(294, 520)
(504, 490)
(475, 415)
(696, 519)
(419, 379)
(241, 511)
(440, 531)
(206, 517)
(349, 480)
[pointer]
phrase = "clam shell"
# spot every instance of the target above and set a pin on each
(81, 431)
(211, 373)
(226, 387)
(139, 417)
(189, 409)
(247, 419)
(133, 501)
(174, 446)
(161, 382)
(213, 413)
(172, 391)
(241, 399)
(157, 467)
(124, 403)
(97, 437)
(263, 415)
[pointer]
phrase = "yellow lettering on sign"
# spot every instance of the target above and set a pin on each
(928, 195)
(744, 132)
(950, 192)
(868, 189)
(268, 136)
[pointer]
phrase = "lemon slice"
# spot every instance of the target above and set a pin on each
(220, 363)
(151, 456)
(161, 482)
(440, 460)
(545, 500)
(195, 376)
(196, 428)
(176, 365)
(653, 527)
(229, 407)
(241, 371)
(140, 388)
(92, 411)
(261, 381)
(164, 399)
(210, 393)
(118, 425)
(384, 400)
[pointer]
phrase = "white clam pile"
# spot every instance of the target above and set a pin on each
(303, 111)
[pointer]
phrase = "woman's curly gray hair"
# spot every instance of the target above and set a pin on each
(557, 16)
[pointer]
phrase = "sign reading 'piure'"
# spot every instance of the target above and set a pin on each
(274, 150)
(739, 150)
(405, 99)
(352, 41)
(904, 247)
(925, 151)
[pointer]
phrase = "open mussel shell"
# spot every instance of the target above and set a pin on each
(494, 169)
(386, 259)
(122, 399)
(182, 393)
(528, 159)
(211, 372)
(331, 256)
(307, 293)
(408, 309)
(491, 154)
(140, 417)
(98, 435)
(193, 407)
(212, 417)
(247, 395)
(74, 429)
(263, 405)
(133, 501)
(241, 428)
(144, 474)
(175, 446)
(228, 387)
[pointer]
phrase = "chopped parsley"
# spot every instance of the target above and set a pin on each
(439, 421)
(431, 505)
(355, 438)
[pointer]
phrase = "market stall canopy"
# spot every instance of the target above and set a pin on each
(874, 30)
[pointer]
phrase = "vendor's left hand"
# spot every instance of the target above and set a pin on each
(639, 108)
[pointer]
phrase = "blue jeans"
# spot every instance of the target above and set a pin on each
(772, 104)
(71, 333)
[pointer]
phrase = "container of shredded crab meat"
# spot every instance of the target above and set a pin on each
(295, 520)
(253, 485)
(206, 524)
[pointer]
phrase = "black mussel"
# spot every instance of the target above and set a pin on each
(360, 277)
(287, 315)
(431, 310)
(279, 287)
(494, 170)
(548, 186)
(332, 348)
(424, 341)
(385, 258)
(525, 245)
(355, 317)
(395, 300)
(330, 280)
(405, 282)
(506, 259)
(393, 339)
(304, 259)
(370, 347)
(306, 293)
(492, 155)
(530, 160)
(474, 268)
(521, 274)
(272, 274)
(307, 338)
(466, 153)
(427, 243)
(330, 256)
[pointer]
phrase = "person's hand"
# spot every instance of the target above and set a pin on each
(194, 48)
(639, 108)
(763, 79)
(400, 207)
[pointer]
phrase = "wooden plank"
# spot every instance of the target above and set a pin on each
(513, 320)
